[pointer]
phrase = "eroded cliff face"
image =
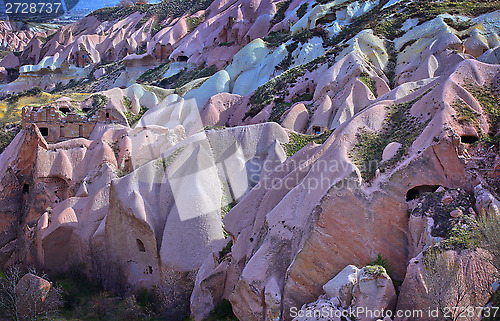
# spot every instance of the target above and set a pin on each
(295, 150)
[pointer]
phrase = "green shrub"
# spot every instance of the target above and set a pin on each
(383, 262)
(281, 8)
(298, 141)
(375, 269)
(399, 126)
(132, 118)
(222, 312)
(302, 10)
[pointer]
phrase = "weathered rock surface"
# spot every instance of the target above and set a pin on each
(463, 279)
(35, 297)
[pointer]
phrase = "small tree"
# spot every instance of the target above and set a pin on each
(24, 298)
(108, 273)
(8, 296)
(487, 232)
(441, 277)
(173, 293)
(448, 289)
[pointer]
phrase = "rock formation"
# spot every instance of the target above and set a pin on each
(285, 156)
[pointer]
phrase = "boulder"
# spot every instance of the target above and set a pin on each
(342, 285)
(390, 151)
(35, 297)
(456, 213)
(486, 203)
(320, 310)
(374, 291)
(456, 279)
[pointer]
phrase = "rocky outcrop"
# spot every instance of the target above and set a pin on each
(371, 151)
(35, 297)
(365, 294)
(449, 284)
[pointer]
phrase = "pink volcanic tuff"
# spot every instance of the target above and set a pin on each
(219, 109)
(290, 236)
(15, 39)
(296, 118)
(256, 256)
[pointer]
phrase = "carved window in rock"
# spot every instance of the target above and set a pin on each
(44, 131)
(140, 245)
(148, 270)
(418, 191)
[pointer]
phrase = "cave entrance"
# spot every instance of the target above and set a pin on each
(44, 131)
(418, 191)
(468, 139)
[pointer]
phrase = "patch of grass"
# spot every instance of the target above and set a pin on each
(367, 80)
(390, 69)
(399, 126)
(127, 102)
(458, 25)
(278, 110)
(303, 97)
(160, 11)
(466, 115)
(375, 269)
(193, 22)
(276, 38)
(11, 107)
(389, 29)
(185, 76)
(153, 74)
(132, 118)
(488, 98)
(7, 134)
(302, 10)
(163, 163)
(226, 44)
(222, 312)
(276, 89)
(98, 101)
(288, 61)
(225, 251)
(117, 13)
(298, 141)
(281, 8)
(461, 236)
